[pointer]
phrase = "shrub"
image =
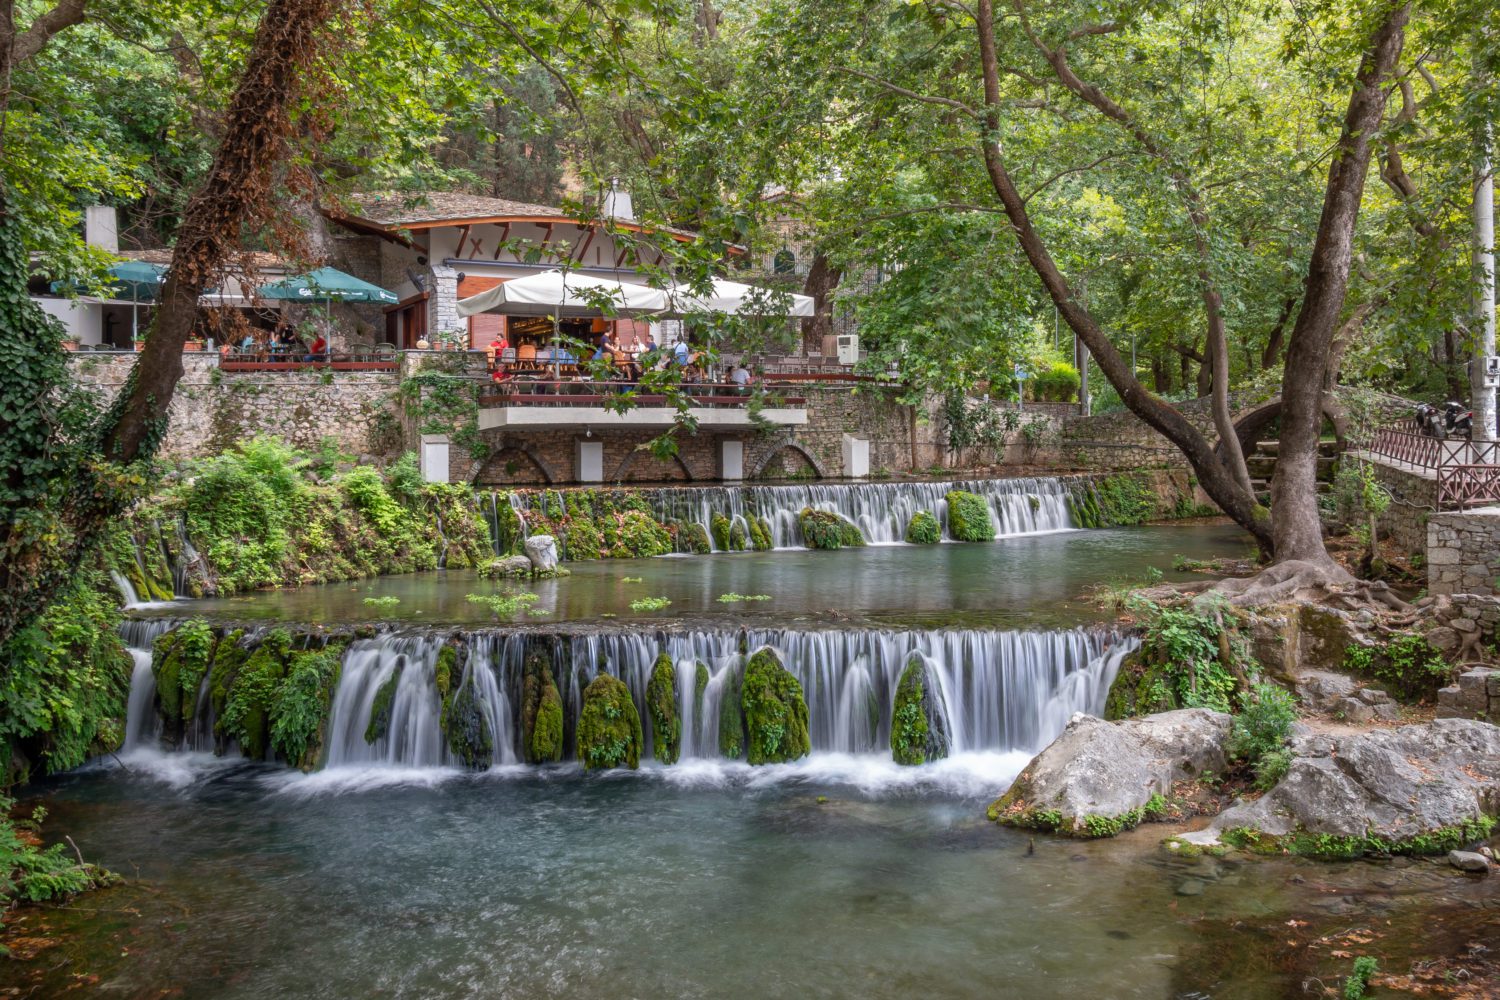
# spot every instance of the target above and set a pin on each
(301, 704)
(823, 529)
(33, 874)
(1408, 665)
(923, 529)
(1056, 382)
(969, 517)
(609, 727)
(1261, 729)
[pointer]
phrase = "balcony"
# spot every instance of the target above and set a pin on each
(540, 405)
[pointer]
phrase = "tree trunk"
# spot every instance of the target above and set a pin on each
(1272, 353)
(1217, 479)
(823, 280)
(1296, 528)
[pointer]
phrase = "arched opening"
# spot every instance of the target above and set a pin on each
(512, 466)
(640, 466)
(790, 461)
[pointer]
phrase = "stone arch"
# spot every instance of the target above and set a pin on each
(640, 466)
(787, 459)
(512, 464)
(1249, 426)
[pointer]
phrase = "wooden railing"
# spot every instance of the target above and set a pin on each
(301, 360)
(541, 392)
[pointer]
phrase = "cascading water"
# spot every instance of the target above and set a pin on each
(142, 724)
(999, 690)
(881, 510)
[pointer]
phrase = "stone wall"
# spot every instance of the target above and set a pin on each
(1463, 552)
(1413, 501)
(212, 409)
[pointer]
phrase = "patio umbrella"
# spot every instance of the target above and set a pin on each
(140, 280)
(326, 284)
(558, 294)
(736, 298)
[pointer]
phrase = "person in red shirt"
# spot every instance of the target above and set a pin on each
(318, 351)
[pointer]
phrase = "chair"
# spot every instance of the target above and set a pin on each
(507, 356)
(526, 352)
(385, 352)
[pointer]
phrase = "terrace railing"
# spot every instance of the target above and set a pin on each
(1467, 472)
(542, 392)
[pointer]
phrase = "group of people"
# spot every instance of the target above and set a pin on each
(283, 341)
(628, 365)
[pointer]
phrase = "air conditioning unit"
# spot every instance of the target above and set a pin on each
(848, 348)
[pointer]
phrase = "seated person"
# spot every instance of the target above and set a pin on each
(318, 350)
(285, 341)
(740, 376)
(496, 349)
(248, 345)
(681, 354)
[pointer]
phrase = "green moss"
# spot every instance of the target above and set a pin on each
(923, 529)
(1329, 847)
(823, 529)
(1113, 501)
(180, 659)
(464, 725)
(299, 711)
(693, 537)
(580, 538)
(700, 684)
(969, 517)
(775, 712)
(738, 537)
(1011, 810)
(541, 712)
(633, 534)
(380, 708)
(229, 657)
(732, 737)
(443, 670)
(609, 727)
(719, 527)
(917, 735)
(253, 692)
(661, 705)
(760, 534)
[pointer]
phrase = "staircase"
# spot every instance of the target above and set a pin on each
(1262, 465)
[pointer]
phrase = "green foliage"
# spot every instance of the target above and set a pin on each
(1359, 978)
(1332, 847)
(732, 738)
(737, 598)
(65, 683)
(693, 537)
(380, 708)
(253, 692)
(1113, 501)
(1181, 661)
(609, 727)
(385, 603)
(1261, 730)
(760, 534)
(923, 529)
(650, 604)
(506, 605)
(180, 659)
(912, 738)
(719, 529)
(969, 517)
(463, 722)
(823, 529)
(661, 705)
(1408, 665)
(30, 873)
(775, 712)
(300, 706)
(1056, 382)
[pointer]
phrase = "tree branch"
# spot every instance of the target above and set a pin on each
(911, 94)
(35, 38)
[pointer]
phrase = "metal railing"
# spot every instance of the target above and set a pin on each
(587, 392)
(1467, 472)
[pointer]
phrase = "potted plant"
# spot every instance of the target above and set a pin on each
(70, 343)
(193, 344)
(140, 342)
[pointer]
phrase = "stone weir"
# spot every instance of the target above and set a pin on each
(733, 518)
(313, 697)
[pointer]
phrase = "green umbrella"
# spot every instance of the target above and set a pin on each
(139, 280)
(326, 284)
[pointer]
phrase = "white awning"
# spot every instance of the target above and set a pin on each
(737, 298)
(554, 293)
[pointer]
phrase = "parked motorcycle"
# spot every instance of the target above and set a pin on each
(1458, 421)
(1429, 421)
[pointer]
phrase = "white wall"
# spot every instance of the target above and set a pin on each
(81, 319)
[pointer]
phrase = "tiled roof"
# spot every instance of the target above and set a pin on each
(257, 259)
(395, 209)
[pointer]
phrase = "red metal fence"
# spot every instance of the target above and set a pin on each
(1468, 472)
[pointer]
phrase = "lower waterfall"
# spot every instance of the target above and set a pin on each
(999, 690)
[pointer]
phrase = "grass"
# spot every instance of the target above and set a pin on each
(734, 598)
(650, 604)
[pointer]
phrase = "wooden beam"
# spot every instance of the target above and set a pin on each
(578, 258)
(500, 243)
(463, 234)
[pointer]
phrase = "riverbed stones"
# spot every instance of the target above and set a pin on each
(542, 551)
(1417, 788)
(1100, 777)
(609, 727)
(1469, 861)
(919, 723)
(775, 712)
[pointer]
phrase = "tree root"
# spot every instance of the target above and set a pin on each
(1307, 580)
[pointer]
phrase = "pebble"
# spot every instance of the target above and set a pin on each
(1469, 861)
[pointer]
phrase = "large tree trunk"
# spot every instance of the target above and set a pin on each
(1228, 487)
(1296, 527)
(822, 281)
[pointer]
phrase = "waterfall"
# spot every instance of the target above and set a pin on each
(142, 723)
(881, 509)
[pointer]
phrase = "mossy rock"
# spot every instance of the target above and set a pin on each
(732, 737)
(609, 727)
(464, 725)
(253, 691)
(693, 537)
(229, 657)
(739, 538)
(541, 713)
(823, 529)
(300, 710)
(760, 534)
(1141, 687)
(580, 538)
(700, 684)
(633, 534)
(661, 705)
(720, 527)
(775, 712)
(380, 709)
(969, 517)
(919, 726)
(923, 529)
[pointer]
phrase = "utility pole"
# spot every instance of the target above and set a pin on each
(1481, 391)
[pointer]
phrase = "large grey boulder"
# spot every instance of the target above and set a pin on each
(1110, 770)
(1393, 785)
(542, 551)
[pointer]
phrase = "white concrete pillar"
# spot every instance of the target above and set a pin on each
(856, 457)
(588, 461)
(434, 458)
(731, 459)
(101, 227)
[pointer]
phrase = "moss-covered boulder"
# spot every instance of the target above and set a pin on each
(739, 537)
(252, 692)
(465, 727)
(775, 712)
(229, 657)
(609, 727)
(580, 538)
(633, 534)
(541, 712)
(693, 537)
(380, 709)
(969, 517)
(299, 712)
(919, 723)
(661, 705)
(180, 659)
(923, 529)
(719, 526)
(823, 529)
(760, 534)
